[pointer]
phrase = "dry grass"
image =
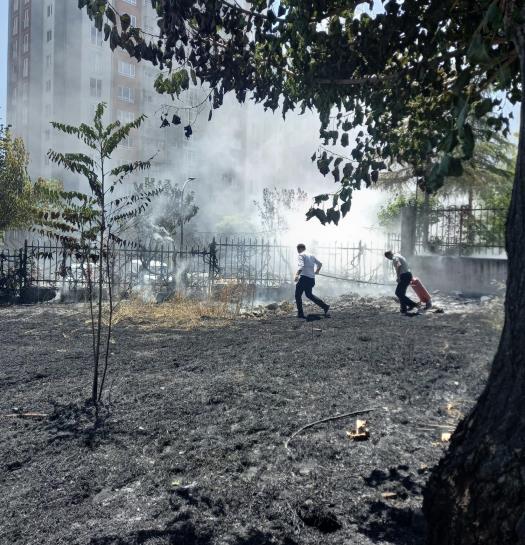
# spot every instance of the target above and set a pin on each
(181, 312)
(177, 313)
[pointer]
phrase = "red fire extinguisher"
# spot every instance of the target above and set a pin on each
(421, 292)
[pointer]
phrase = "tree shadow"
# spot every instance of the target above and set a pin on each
(187, 533)
(394, 519)
(79, 421)
(184, 533)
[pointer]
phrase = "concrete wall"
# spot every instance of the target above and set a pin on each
(469, 275)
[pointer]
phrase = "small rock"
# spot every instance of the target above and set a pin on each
(272, 306)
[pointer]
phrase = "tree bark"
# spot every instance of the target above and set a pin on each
(426, 222)
(476, 495)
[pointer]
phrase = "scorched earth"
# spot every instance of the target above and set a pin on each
(191, 450)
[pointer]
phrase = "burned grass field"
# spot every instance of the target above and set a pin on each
(191, 447)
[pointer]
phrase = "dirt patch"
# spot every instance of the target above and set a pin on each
(191, 444)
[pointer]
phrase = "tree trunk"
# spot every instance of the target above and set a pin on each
(476, 495)
(426, 223)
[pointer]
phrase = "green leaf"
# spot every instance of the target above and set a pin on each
(483, 107)
(318, 199)
(316, 213)
(125, 21)
(110, 14)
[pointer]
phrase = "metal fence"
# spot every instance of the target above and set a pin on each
(462, 231)
(160, 268)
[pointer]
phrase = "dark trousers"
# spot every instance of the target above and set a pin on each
(401, 291)
(305, 285)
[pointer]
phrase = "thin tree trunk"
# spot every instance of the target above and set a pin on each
(476, 495)
(110, 319)
(99, 313)
(100, 283)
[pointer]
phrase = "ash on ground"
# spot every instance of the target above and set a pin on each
(192, 447)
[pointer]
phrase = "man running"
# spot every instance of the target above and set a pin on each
(404, 277)
(308, 267)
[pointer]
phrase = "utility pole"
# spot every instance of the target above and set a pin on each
(182, 211)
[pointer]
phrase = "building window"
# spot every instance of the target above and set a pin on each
(126, 69)
(15, 5)
(126, 94)
(132, 2)
(26, 17)
(25, 68)
(96, 36)
(48, 61)
(15, 25)
(47, 134)
(15, 49)
(25, 91)
(97, 63)
(50, 10)
(128, 142)
(95, 87)
(47, 110)
(49, 35)
(25, 114)
(125, 117)
(25, 43)
(48, 85)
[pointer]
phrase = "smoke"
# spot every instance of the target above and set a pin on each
(245, 149)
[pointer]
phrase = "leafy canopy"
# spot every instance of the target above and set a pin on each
(21, 201)
(420, 68)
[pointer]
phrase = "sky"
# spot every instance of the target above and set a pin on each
(4, 4)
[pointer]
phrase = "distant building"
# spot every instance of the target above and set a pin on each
(60, 68)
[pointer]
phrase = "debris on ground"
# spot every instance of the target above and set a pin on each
(361, 431)
(212, 403)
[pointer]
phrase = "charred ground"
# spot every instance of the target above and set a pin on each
(191, 450)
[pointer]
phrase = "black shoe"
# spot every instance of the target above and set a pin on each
(301, 316)
(326, 309)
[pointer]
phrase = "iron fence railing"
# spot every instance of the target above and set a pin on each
(462, 231)
(163, 268)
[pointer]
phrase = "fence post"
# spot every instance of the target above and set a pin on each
(23, 279)
(212, 265)
(408, 230)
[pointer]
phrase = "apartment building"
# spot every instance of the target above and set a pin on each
(60, 68)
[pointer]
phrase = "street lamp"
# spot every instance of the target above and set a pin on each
(182, 210)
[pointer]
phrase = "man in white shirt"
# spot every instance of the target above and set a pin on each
(308, 267)
(404, 277)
